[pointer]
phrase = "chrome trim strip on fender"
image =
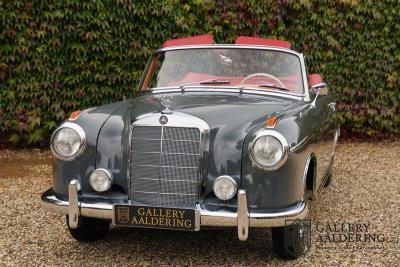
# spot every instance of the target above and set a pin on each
(304, 180)
(300, 144)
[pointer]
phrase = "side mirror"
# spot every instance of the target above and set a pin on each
(317, 86)
(321, 89)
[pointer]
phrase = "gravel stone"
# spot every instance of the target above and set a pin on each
(365, 189)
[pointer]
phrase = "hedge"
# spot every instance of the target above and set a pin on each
(58, 56)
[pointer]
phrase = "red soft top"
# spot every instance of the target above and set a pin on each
(262, 41)
(194, 40)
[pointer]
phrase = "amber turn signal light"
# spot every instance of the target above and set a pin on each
(271, 122)
(74, 115)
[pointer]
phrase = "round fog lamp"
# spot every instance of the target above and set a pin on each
(225, 187)
(100, 180)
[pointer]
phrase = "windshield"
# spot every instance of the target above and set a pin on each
(249, 68)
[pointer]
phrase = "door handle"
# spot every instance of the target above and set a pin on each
(332, 105)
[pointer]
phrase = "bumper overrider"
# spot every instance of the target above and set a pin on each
(242, 218)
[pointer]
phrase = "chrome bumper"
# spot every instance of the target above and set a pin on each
(241, 219)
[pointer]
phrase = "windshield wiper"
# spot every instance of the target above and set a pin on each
(215, 82)
(205, 82)
(274, 87)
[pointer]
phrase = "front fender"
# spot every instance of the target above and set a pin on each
(284, 187)
(91, 122)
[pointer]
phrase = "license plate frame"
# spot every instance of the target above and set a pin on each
(183, 219)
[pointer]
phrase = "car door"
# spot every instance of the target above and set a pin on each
(325, 107)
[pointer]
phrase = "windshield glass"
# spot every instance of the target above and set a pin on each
(250, 68)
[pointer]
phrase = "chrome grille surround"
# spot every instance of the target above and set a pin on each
(166, 161)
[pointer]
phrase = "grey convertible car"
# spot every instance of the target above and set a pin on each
(221, 135)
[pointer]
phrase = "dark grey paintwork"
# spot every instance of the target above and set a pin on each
(233, 118)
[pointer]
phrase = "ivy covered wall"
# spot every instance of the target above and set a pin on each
(57, 56)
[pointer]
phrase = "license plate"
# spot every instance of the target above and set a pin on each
(155, 217)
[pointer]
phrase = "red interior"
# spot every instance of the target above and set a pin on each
(314, 79)
(262, 41)
(290, 82)
(194, 40)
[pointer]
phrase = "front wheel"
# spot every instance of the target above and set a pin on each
(89, 229)
(292, 241)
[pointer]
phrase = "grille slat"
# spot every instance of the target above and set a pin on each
(164, 166)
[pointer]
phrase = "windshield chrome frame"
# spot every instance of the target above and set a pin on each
(198, 88)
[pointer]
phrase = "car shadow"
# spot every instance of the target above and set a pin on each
(209, 245)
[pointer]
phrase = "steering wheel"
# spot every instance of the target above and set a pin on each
(280, 83)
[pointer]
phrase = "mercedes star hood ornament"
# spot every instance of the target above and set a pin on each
(166, 101)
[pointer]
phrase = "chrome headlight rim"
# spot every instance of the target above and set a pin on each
(109, 175)
(233, 181)
(78, 129)
(280, 138)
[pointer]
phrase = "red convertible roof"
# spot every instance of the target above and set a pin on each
(194, 40)
(262, 41)
(241, 40)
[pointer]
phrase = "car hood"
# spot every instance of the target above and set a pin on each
(230, 118)
(222, 112)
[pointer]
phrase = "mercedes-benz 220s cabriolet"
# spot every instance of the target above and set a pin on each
(220, 135)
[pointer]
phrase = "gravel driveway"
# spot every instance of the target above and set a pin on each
(365, 192)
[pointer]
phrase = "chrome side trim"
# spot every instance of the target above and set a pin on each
(207, 218)
(335, 140)
(300, 144)
(303, 194)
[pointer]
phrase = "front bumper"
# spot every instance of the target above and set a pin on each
(241, 219)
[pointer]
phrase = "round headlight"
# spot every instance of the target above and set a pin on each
(268, 150)
(225, 187)
(100, 180)
(68, 141)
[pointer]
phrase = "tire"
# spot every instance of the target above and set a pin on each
(290, 242)
(89, 229)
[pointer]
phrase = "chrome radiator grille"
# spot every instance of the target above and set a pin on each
(164, 167)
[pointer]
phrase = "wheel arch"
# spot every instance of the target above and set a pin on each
(310, 175)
